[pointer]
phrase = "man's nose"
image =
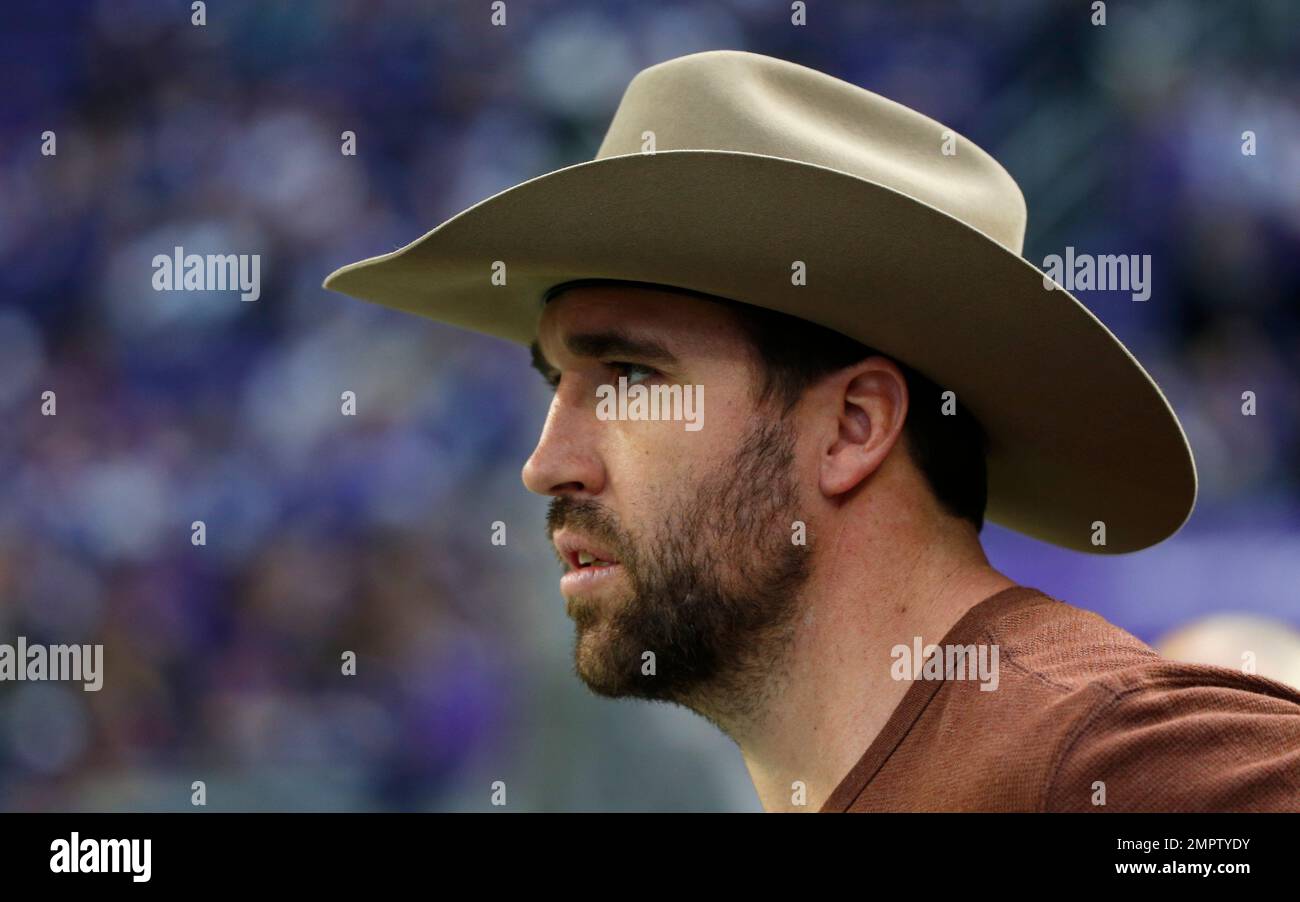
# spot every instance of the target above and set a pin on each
(565, 461)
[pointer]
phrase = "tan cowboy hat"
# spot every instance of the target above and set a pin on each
(722, 169)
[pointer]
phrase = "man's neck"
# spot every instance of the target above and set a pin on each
(837, 691)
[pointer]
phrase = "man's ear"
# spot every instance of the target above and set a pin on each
(872, 400)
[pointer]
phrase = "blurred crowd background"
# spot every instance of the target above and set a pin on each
(371, 533)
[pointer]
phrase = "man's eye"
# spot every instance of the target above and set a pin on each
(634, 372)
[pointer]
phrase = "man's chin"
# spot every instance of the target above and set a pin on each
(607, 670)
(592, 660)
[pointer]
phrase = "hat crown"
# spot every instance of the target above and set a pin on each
(730, 100)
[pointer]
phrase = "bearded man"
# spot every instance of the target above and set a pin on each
(839, 278)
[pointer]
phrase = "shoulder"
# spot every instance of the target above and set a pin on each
(1168, 736)
(1130, 730)
(1062, 646)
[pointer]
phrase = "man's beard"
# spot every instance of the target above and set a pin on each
(713, 594)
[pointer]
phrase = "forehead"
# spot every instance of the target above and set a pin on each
(687, 325)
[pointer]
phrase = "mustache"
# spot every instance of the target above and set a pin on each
(588, 517)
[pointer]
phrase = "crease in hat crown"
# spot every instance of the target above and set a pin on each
(733, 100)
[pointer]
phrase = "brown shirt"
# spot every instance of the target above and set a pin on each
(1081, 708)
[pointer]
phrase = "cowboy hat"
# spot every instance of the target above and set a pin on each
(726, 172)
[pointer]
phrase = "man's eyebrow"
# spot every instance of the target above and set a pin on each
(610, 343)
(540, 363)
(613, 343)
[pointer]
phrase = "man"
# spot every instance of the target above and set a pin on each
(835, 280)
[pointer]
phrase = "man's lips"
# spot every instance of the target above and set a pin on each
(588, 564)
(580, 553)
(584, 580)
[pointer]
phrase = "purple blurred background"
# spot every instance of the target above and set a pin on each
(371, 533)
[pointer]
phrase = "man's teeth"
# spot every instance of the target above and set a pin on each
(585, 558)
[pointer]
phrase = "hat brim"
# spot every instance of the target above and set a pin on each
(1078, 431)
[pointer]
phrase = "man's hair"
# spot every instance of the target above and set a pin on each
(949, 450)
